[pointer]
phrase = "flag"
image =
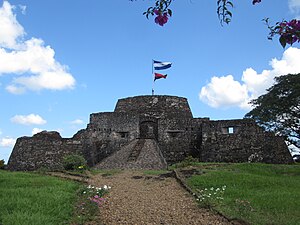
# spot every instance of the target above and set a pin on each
(161, 65)
(158, 76)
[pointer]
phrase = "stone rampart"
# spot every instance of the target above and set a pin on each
(241, 141)
(43, 150)
(159, 106)
(166, 125)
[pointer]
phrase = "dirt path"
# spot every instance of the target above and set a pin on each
(139, 199)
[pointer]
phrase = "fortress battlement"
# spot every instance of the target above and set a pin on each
(151, 132)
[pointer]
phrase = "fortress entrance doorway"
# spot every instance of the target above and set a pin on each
(148, 129)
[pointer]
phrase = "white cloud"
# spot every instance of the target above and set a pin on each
(32, 61)
(15, 89)
(28, 119)
(53, 80)
(77, 122)
(225, 91)
(10, 30)
(7, 142)
(36, 130)
(294, 6)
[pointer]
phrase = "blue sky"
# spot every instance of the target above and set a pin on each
(61, 60)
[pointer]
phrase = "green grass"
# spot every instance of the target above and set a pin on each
(32, 199)
(155, 172)
(258, 193)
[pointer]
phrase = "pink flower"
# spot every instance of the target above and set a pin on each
(161, 19)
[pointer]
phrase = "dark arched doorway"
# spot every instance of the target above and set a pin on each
(148, 129)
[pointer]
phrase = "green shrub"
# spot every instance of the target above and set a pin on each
(74, 162)
(2, 165)
(188, 161)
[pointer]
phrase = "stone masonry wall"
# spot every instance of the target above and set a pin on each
(241, 141)
(165, 120)
(107, 133)
(160, 106)
(43, 150)
(174, 138)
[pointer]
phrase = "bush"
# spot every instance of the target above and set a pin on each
(2, 165)
(188, 161)
(74, 162)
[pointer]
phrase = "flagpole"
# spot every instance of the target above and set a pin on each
(152, 78)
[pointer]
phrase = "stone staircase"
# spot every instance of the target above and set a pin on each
(138, 154)
(136, 150)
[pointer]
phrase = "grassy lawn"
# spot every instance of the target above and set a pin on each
(32, 199)
(257, 193)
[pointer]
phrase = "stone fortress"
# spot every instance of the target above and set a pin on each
(151, 132)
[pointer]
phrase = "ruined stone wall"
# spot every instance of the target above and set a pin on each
(43, 150)
(241, 141)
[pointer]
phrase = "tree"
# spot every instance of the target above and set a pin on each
(279, 109)
(288, 31)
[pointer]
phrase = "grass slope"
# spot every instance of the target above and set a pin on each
(258, 193)
(32, 199)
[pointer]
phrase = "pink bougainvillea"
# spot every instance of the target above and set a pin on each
(288, 31)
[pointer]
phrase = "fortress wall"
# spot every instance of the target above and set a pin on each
(241, 141)
(113, 125)
(43, 150)
(164, 119)
(107, 133)
(160, 106)
(174, 137)
(232, 148)
(275, 150)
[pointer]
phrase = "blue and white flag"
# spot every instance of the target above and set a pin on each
(161, 65)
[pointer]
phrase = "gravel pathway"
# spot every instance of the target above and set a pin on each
(139, 199)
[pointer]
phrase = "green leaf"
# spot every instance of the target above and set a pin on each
(282, 41)
(229, 13)
(230, 3)
(227, 20)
